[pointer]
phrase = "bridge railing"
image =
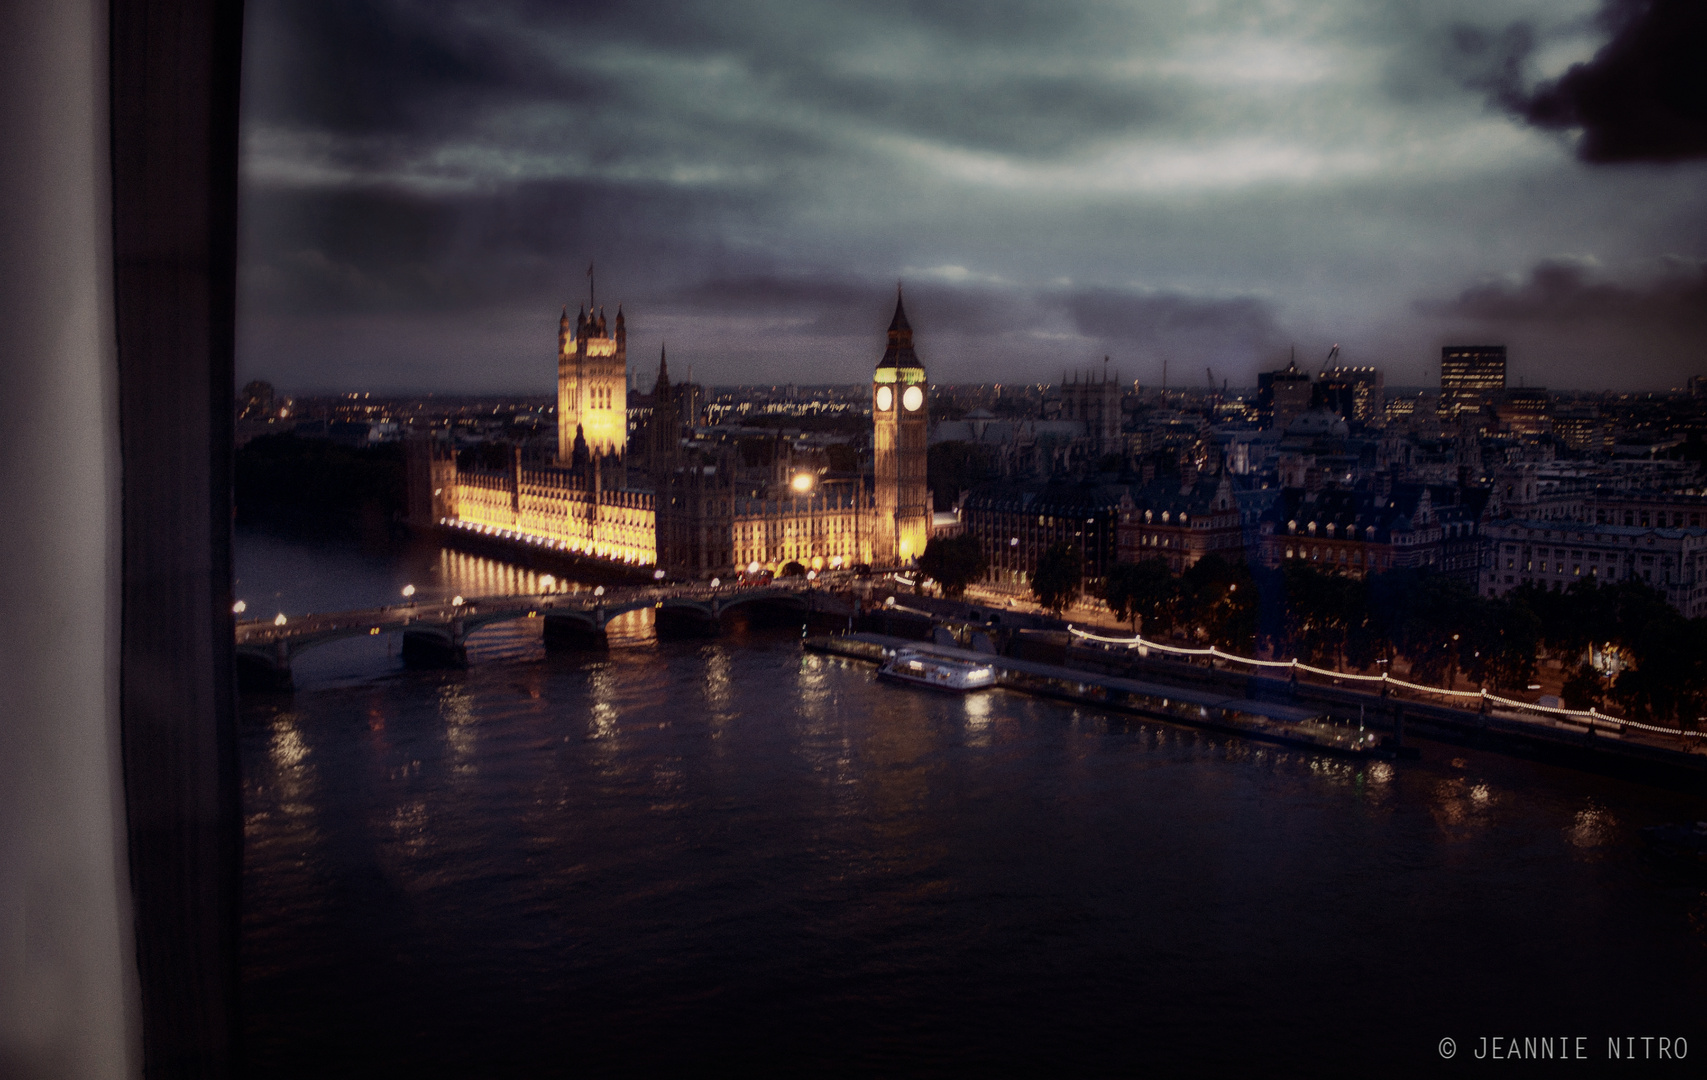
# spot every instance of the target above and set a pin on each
(400, 616)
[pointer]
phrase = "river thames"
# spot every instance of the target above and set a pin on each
(671, 857)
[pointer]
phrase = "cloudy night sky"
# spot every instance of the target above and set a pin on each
(424, 185)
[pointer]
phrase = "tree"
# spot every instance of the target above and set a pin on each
(1585, 689)
(1429, 636)
(1220, 598)
(955, 562)
(1322, 611)
(1510, 649)
(793, 569)
(315, 486)
(1144, 590)
(1058, 577)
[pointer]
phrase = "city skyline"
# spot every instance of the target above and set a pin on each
(423, 191)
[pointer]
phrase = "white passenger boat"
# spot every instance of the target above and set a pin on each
(936, 672)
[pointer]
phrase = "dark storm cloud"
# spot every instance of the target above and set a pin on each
(379, 65)
(1152, 317)
(1565, 292)
(1642, 98)
(1032, 116)
(347, 249)
(833, 305)
(425, 182)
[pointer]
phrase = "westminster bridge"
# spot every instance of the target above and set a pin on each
(435, 634)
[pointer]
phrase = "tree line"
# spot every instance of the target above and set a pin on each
(317, 487)
(1655, 665)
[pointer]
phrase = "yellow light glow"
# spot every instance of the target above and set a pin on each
(802, 482)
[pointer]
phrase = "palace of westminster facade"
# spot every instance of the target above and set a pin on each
(688, 515)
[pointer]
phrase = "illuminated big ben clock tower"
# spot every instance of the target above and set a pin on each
(898, 395)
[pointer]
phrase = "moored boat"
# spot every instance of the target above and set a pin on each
(937, 672)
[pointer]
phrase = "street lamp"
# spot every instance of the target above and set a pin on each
(802, 482)
(280, 621)
(456, 601)
(600, 591)
(408, 592)
(546, 582)
(658, 574)
(239, 607)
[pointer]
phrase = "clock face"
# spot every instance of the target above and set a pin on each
(885, 399)
(912, 398)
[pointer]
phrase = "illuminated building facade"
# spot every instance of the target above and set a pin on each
(901, 430)
(1558, 554)
(549, 507)
(1527, 411)
(1014, 527)
(1282, 395)
(1470, 376)
(1358, 533)
(592, 385)
(693, 519)
(1180, 523)
(1356, 393)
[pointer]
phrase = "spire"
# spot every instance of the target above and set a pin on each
(899, 322)
(663, 386)
(900, 348)
(578, 454)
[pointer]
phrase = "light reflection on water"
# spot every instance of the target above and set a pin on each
(639, 860)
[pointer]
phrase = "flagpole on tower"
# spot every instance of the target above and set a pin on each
(592, 291)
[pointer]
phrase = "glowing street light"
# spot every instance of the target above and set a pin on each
(802, 482)
(456, 601)
(239, 608)
(715, 582)
(658, 574)
(280, 621)
(600, 591)
(546, 582)
(753, 567)
(408, 591)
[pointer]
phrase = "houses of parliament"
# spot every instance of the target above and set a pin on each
(673, 503)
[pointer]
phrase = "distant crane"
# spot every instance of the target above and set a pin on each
(1333, 354)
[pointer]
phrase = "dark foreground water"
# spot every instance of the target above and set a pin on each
(676, 858)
